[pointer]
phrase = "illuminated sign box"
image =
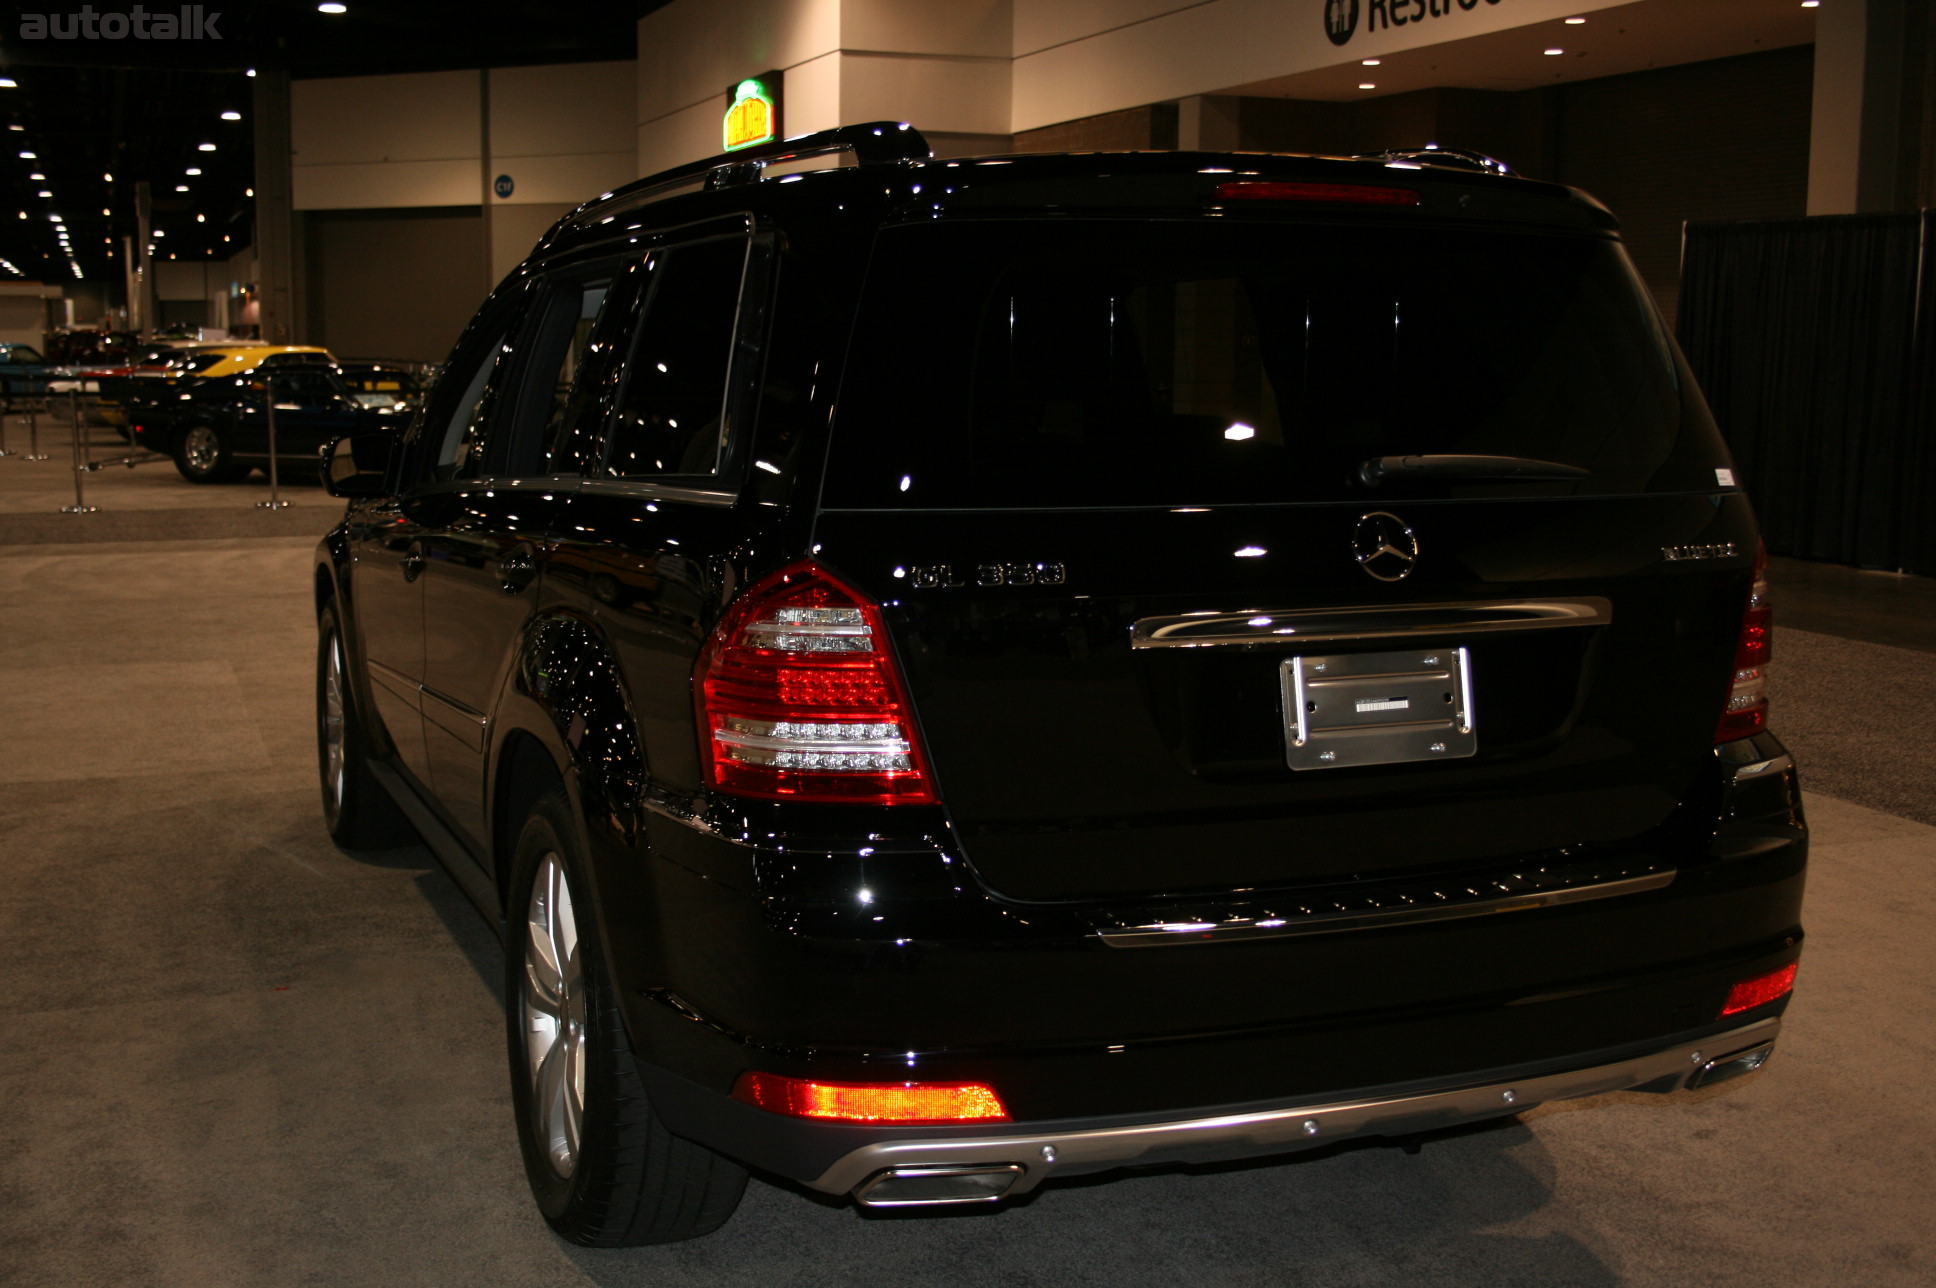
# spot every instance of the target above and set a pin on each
(754, 115)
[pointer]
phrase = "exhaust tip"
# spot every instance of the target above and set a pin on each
(1732, 1066)
(930, 1186)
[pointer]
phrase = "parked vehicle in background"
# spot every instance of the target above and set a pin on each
(217, 429)
(951, 674)
(163, 366)
(23, 372)
(382, 384)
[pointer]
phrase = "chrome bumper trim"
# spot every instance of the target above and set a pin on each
(1519, 894)
(1376, 622)
(1229, 1136)
(1762, 768)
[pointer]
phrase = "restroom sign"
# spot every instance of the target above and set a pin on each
(754, 116)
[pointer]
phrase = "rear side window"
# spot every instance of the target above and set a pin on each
(1095, 364)
(670, 418)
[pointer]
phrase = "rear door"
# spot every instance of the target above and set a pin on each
(1165, 628)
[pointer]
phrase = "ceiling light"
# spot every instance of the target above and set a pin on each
(160, 232)
(106, 211)
(201, 219)
(1574, 22)
(8, 83)
(250, 73)
(1370, 62)
(28, 156)
(205, 147)
(40, 177)
(248, 192)
(181, 187)
(43, 193)
(108, 178)
(18, 129)
(1366, 85)
(1551, 52)
(194, 169)
(332, 8)
(1811, 4)
(231, 116)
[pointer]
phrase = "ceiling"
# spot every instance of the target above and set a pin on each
(1610, 42)
(101, 115)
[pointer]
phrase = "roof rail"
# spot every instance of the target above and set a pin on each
(1448, 158)
(872, 143)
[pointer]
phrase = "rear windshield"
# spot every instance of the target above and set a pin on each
(1081, 363)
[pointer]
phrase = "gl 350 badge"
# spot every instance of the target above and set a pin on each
(944, 576)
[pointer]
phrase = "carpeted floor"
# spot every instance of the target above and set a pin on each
(238, 1056)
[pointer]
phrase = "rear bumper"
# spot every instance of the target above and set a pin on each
(1038, 1155)
(885, 1166)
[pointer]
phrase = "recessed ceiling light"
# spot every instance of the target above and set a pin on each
(8, 83)
(43, 193)
(1366, 85)
(40, 178)
(205, 147)
(1370, 62)
(28, 156)
(1811, 4)
(231, 116)
(1574, 22)
(107, 178)
(332, 8)
(194, 169)
(181, 187)
(1551, 52)
(250, 73)
(201, 219)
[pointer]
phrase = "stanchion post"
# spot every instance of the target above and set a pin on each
(33, 433)
(6, 414)
(80, 505)
(275, 501)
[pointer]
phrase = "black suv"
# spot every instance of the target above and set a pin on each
(957, 673)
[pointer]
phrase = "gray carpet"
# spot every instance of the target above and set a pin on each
(238, 1056)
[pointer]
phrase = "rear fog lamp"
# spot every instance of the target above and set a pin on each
(872, 1102)
(1760, 990)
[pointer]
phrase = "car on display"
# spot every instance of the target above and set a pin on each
(381, 384)
(163, 365)
(24, 373)
(217, 430)
(955, 674)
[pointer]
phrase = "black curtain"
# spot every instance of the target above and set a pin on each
(1812, 340)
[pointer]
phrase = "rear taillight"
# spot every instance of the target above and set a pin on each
(798, 698)
(872, 1102)
(1747, 709)
(1759, 991)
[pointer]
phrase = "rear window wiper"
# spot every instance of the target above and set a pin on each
(1379, 468)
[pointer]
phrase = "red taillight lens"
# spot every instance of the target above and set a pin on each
(1760, 990)
(1747, 709)
(872, 1102)
(1352, 194)
(798, 698)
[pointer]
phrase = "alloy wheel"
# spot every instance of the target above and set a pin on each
(554, 1012)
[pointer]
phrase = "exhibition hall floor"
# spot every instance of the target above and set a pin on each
(239, 1056)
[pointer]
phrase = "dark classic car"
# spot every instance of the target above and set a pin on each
(217, 430)
(955, 674)
(23, 372)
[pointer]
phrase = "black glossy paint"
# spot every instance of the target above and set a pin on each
(1080, 780)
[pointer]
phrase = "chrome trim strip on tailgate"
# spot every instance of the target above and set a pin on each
(1374, 622)
(1242, 1135)
(1389, 906)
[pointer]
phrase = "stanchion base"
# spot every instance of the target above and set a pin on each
(31, 457)
(79, 509)
(273, 505)
(7, 451)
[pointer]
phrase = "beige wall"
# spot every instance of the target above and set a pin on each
(393, 283)
(364, 141)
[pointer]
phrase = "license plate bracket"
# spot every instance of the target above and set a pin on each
(1343, 709)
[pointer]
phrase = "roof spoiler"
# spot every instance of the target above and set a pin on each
(872, 143)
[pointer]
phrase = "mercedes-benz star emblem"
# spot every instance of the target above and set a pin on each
(1384, 546)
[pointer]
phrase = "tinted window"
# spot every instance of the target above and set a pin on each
(1115, 364)
(670, 415)
(547, 407)
(460, 447)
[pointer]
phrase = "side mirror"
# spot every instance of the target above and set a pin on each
(358, 465)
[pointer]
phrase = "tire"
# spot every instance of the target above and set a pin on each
(604, 1170)
(203, 454)
(357, 811)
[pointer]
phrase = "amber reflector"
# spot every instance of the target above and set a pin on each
(1353, 194)
(872, 1102)
(1760, 990)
